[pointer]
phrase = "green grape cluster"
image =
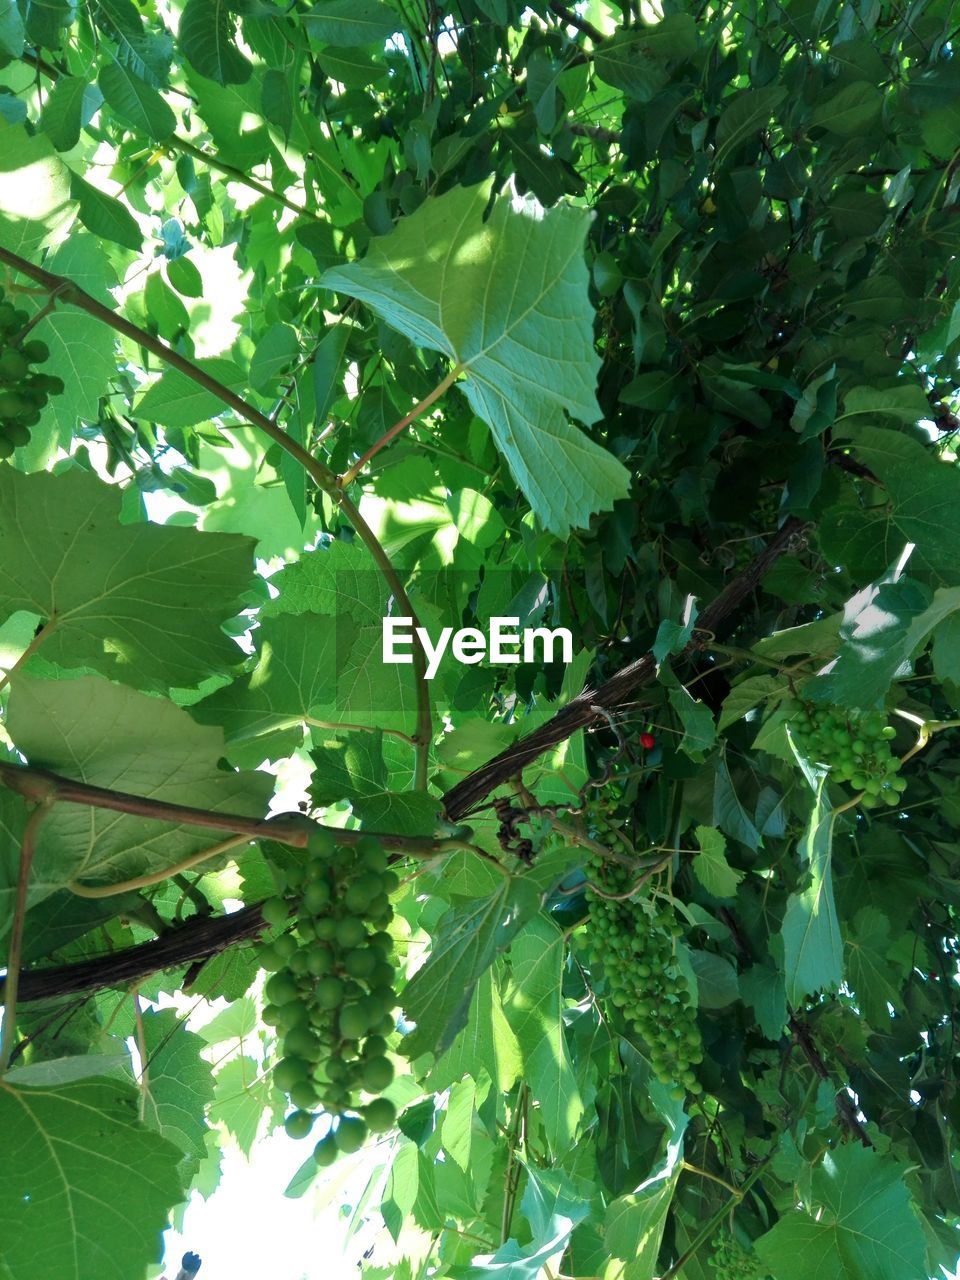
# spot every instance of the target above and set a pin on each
(733, 1262)
(331, 994)
(855, 748)
(635, 944)
(23, 391)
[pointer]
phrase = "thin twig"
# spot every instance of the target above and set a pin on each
(352, 472)
(155, 877)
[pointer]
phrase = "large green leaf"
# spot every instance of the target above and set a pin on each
(534, 1010)
(486, 1043)
(857, 1224)
(244, 1098)
(634, 1223)
(553, 1204)
(294, 681)
(82, 349)
(177, 1083)
(345, 23)
(85, 1189)
(468, 940)
(925, 496)
(207, 38)
(140, 603)
(340, 582)
(813, 949)
(506, 299)
(136, 102)
(110, 736)
(36, 208)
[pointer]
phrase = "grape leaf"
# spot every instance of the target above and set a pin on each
(140, 603)
(294, 679)
(505, 299)
(243, 1098)
(487, 1042)
(534, 1006)
(178, 1083)
(467, 941)
(711, 866)
(634, 1224)
(85, 1189)
(925, 494)
(553, 1203)
(858, 1224)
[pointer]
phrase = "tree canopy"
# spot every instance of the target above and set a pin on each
(638, 320)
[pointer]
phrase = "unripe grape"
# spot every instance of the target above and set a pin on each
(298, 1124)
(380, 1115)
(377, 1074)
(281, 988)
(329, 993)
(316, 896)
(326, 1151)
(351, 1134)
(289, 1071)
(321, 843)
(275, 911)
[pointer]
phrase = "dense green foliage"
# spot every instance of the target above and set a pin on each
(640, 321)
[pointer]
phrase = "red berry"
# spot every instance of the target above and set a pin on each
(647, 740)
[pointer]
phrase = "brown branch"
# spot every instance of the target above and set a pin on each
(200, 938)
(574, 20)
(42, 786)
(12, 989)
(583, 711)
(846, 1112)
(597, 132)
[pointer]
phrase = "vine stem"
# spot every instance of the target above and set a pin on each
(155, 877)
(144, 1082)
(68, 291)
(712, 1223)
(176, 143)
(28, 847)
(352, 472)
